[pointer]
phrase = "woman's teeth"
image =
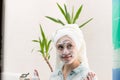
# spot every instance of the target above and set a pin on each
(66, 56)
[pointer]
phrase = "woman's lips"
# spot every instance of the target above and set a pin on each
(66, 56)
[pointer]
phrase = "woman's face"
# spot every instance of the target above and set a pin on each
(66, 50)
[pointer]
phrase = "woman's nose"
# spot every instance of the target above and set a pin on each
(65, 51)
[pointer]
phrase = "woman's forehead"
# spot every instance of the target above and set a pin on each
(64, 42)
(65, 39)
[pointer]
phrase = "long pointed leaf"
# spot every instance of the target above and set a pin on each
(59, 21)
(44, 42)
(53, 19)
(62, 11)
(67, 15)
(40, 41)
(42, 32)
(43, 46)
(85, 23)
(68, 18)
(65, 8)
(77, 14)
(44, 39)
(48, 46)
(40, 44)
(41, 52)
(72, 14)
(35, 40)
(48, 57)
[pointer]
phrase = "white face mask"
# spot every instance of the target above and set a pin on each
(66, 50)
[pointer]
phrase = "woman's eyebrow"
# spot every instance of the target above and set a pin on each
(59, 44)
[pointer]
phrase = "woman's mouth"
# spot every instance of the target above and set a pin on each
(66, 56)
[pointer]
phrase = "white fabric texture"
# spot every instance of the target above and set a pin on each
(79, 73)
(75, 33)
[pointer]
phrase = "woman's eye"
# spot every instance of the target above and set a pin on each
(60, 47)
(69, 46)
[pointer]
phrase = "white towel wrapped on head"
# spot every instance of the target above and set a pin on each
(75, 33)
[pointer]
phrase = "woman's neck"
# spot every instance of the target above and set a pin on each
(67, 68)
(72, 66)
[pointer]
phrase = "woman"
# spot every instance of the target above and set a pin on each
(71, 55)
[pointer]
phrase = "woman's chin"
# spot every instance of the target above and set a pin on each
(67, 61)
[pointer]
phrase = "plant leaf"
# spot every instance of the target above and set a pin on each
(40, 51)
(48, 57)
(44, 41)
(67, 15)
(68, 18)
(42, 33)
(53, 19)
(35, 40)
(48, 46)
(40, 42)
(59, 21)
(85, 23)
(72, 14)
(62, 11)
(65, 8)
(77, 14)
(42, 48)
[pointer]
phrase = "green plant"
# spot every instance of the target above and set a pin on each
(71, 19)
(44, 47)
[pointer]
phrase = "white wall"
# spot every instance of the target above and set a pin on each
(22, 19)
